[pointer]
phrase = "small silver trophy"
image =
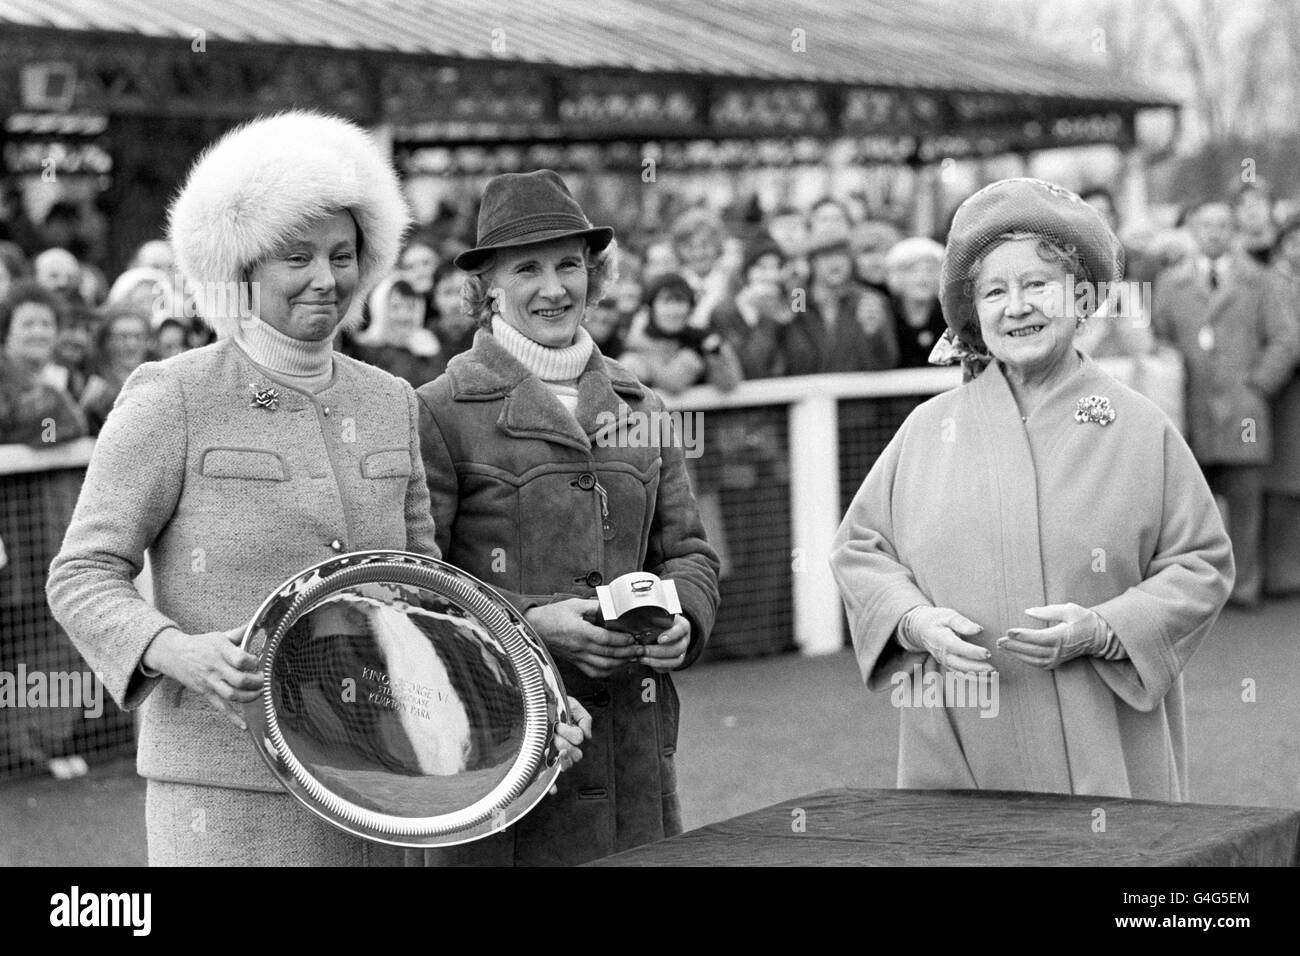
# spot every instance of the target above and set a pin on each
(639, 603)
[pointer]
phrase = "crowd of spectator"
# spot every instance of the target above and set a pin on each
(716, 301)
(704, 301)
(695, 304)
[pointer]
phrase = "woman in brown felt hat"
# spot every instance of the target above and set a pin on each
(539, 486)
(1035, 556)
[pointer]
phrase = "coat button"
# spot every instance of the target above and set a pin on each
(597, 698)
(336, 544)
(594, 579)
(586, 481)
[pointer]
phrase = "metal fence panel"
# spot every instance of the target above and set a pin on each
(51, 704)
(742, 483)
(866, 426)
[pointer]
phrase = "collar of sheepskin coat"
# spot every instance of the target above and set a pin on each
(488, 372)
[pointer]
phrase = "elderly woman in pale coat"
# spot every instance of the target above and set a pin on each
(1039, 541)
(236, 466)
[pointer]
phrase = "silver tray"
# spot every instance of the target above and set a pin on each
(404, 700)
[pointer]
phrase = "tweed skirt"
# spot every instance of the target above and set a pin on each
(190, 825)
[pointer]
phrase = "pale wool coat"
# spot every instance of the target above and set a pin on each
(229, 500)
(971, 509)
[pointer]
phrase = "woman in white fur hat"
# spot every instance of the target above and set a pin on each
(237, 465)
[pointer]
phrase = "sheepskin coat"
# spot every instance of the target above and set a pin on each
(229, 501)
(969, 508)
(545, 505)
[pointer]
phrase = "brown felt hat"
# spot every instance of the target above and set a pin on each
(520, 209)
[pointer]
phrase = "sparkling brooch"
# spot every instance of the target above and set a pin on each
(1094, 408)
(267, 398)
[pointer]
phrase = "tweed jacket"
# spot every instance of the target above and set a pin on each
(545, 505)
(1240, 344)
(229, 500)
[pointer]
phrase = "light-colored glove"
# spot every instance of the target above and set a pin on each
(1074, 631)
(935, 630)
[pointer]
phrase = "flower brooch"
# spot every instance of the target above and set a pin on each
(267, 398)
(1094, 408)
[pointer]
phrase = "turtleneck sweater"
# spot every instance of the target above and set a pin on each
(308, 366)
(558, 368)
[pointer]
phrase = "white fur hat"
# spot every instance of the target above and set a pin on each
(263, 182)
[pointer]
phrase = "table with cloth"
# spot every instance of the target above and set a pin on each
(846, 827)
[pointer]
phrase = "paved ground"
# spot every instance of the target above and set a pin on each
(758, 732)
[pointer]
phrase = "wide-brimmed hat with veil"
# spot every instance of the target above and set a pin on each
(1015, 206)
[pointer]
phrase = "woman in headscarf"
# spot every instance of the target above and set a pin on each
(1035, 556)
(239, 464)
(550, 475)
(396, 339)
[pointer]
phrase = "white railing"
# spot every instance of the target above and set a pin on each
(812, 403)
(20, 459)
